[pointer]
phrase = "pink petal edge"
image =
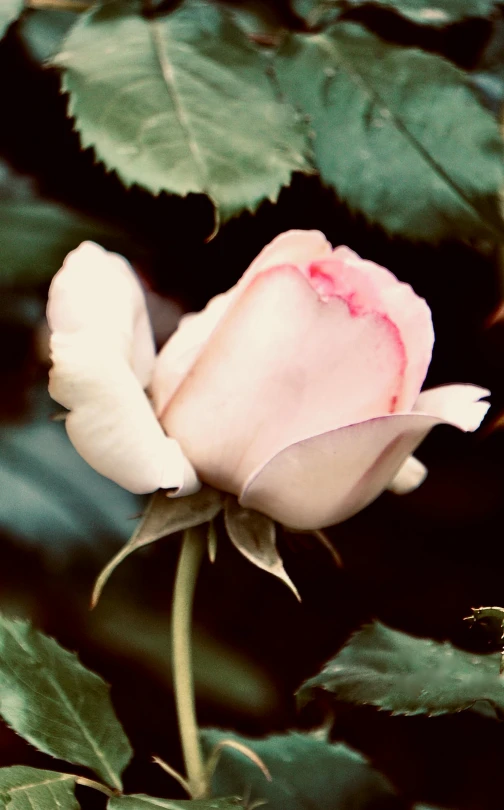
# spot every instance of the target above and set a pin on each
(328, 478)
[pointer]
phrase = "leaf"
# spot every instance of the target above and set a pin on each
(253, 534)
(141, 802)
(9, 11)
(63, 709)
(36, 235)
(407, 675)
(306, 773)
(436, 14)
(163, 516)
(42, 31)
(399, 133)
(181, 103)
(23, 788)
(49, 496)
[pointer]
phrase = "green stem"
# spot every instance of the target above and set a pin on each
(191, 555)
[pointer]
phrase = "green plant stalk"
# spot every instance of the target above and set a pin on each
(191, 555)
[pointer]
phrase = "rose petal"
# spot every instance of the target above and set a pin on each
(410, 475)
(295, 247)
(330, 477)
(98, 290)
(179, 353)
(457, 404)
(102, 353)
(368, 286)
(111, 423)
(281, 366)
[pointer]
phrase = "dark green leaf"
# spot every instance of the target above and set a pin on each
(23, 788)
(306, 773)
(254, 535)
(56, 704)
(407, 675)
(36, 235)
(437, 13)
(181, 103)
(49, 496)
(398, 133)
(164, 516)
(9, 11)
(43, 30)
(141, 802)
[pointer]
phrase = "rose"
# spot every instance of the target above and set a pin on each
(297, 390)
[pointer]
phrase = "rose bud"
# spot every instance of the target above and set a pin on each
(298, 390)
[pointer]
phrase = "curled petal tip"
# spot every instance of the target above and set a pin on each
(461, 405)
(410, 475)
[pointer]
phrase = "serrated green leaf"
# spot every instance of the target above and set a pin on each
(36, 235)
(181, 103)
(398, 133)
(306, 773)
(51, 700)
(436, 14)
(407, 675)
(254, 535)
(23, 788)
(141, 802)
(9, 11)
(163, 516)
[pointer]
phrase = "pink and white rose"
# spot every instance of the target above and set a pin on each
(298, 390)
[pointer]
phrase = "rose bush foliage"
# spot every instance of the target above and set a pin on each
(298, 390)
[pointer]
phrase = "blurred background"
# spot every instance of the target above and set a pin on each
(418, 563)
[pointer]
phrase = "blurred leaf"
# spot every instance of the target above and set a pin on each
(141, 802)
(317, 12)
(223, 675)
(61, 708)
(437, 14)
(9, 11)
(43, 30)
(254, 535)
(306, 773)
(407, 675)
(425, 807)
(23, 788)
(488, 74)
(36, 235)
(181, 103)
(399, 133)
(164, 516)
(50, 496)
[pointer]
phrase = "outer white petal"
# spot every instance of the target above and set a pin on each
(98, 290)
(102, 353)
(111, 422)
(180, 352)
(458, 404)
(328, 478)
(409, 477)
